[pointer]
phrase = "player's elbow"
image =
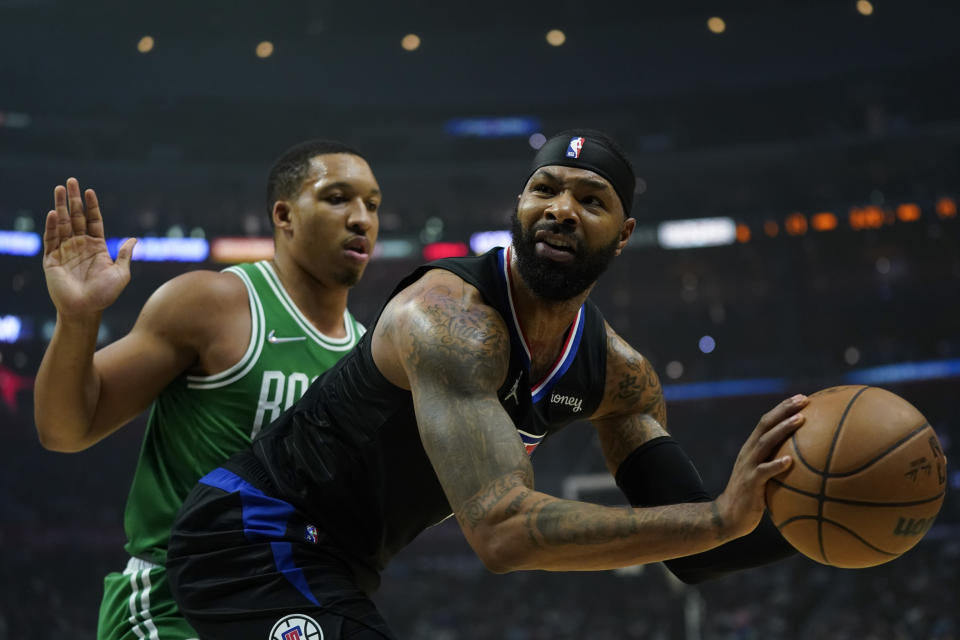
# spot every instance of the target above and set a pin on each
(53, 437)
(496, 559)
(52, 442)
(499, 550)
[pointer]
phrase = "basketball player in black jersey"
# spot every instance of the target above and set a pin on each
(471, 363)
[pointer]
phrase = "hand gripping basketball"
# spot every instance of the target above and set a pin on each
(741, 504)
(868, 480)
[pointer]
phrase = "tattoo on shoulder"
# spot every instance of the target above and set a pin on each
(458, 340)
(635, 381)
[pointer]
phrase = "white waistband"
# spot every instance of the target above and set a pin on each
(139, 564)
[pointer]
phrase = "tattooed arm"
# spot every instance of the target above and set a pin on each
(632, 411)
(441, 341)
(631, 415)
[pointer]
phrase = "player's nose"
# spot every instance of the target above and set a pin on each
(359, 216)
(563, 208)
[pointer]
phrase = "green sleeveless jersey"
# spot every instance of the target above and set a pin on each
(197, 422)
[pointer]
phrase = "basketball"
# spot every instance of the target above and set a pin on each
(867, 480)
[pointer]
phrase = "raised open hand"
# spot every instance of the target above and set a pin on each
(82, 278)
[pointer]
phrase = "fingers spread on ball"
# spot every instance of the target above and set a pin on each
(772, 439)
(774, 467)
(783, 410)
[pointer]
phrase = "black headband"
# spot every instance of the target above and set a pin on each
(592, 154)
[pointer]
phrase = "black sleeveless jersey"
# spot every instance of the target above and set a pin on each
(348, 455)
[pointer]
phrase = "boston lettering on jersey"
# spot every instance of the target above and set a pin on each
(278, 392)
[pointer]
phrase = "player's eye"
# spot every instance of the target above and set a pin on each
(542, 188)
(372, 206)
(335, 198)
(593, 201)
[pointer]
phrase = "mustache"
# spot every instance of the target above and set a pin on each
(552, 227)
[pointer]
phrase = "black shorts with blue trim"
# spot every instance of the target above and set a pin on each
(245, 565)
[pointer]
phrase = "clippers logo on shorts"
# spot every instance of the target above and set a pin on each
(296, 627)
(573, 149)
(311, 535)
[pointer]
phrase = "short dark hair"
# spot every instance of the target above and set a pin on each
(290, 169)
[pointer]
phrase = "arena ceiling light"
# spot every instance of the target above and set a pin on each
(716, 25)
(264, 49)
(556, 37)
(698, 232)
(145, 45)
(410, 42)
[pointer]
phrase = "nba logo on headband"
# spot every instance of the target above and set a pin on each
(573, 149)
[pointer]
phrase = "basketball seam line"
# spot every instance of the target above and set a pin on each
(862, 503)
(821, 472)
(892, 447)
(841, 526)
(826, 470)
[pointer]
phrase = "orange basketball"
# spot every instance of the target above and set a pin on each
(867, 480)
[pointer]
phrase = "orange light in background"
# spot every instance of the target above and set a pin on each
(823, 221)
(771, 228)
(946, 208)
(875, 217)
(908, 212)
(410, 42)
(716, 25)
(233, 250)
(796, 224)
(145, 45)
(871, 217)
(556, 37)
(865, 7)
(264, 49)
(743, 233)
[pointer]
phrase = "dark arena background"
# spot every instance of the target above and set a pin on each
(799, 167)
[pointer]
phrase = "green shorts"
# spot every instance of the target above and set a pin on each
(137, 605)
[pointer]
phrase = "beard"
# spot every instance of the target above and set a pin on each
(558, 281)
(348, 277)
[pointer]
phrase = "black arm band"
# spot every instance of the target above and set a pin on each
(659, 472)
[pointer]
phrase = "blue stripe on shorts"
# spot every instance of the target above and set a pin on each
(264, 518)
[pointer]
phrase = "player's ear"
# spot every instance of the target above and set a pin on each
(625, 232)
(281, 214)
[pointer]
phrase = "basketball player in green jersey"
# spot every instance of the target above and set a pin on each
(215, 356)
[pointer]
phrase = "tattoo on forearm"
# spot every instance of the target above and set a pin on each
(530, 524)
(514, 507)
(473, 511)
(560, 522)
(716, 520)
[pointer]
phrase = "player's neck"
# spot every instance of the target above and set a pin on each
(544, 322)
(322, 302)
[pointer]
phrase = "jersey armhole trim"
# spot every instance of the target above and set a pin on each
(254, 348)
